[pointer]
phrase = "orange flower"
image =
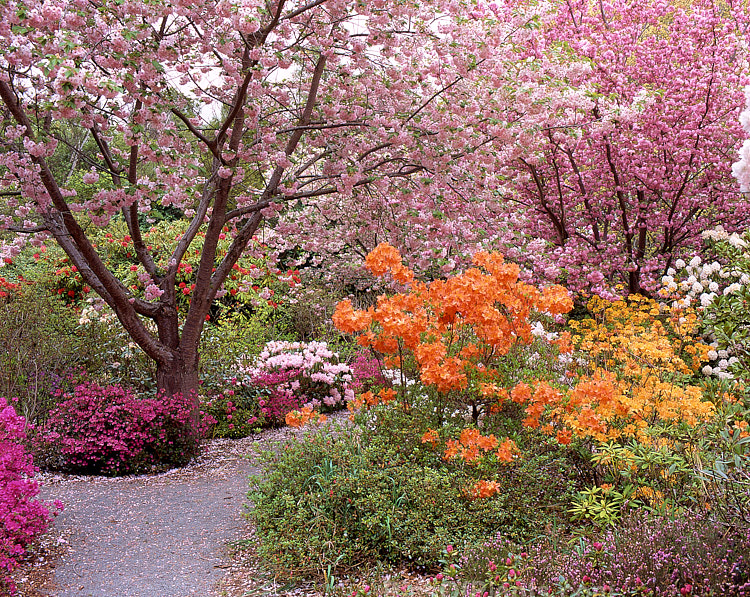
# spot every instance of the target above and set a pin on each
(564, 343)
(484, 489)
(430, 436)
(348, 320)
(385, 257)
(521, 393)
(451, 449)
(507, 451)
(564, 436)
(299, 418)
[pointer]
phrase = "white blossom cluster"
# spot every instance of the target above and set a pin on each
(95, 311)
(723, 359)
(699, 284)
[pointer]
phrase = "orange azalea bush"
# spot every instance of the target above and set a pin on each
(300, 418)
(455, 330)
(368, 399)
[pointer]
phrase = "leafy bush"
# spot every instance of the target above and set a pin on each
(22, 518)
(690, 555)
(376, 492)
(236, 413)
(109, 430)
(232, 336)
(32, 367)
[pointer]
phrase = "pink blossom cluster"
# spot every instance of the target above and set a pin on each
(628, 165)
(366, 372)
(300, 373)
(22, 517)
(109, 429)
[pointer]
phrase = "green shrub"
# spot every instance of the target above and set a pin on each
(42, 344)
(237, 411)
(374, 491)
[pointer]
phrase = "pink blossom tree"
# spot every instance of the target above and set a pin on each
(626, 177)
(230, 110)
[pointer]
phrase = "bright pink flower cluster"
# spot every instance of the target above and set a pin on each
(366, 372)
(110, 430)
(22, 518)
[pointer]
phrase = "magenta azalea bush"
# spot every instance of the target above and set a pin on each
(107, 429)
(296, 374)
(22, 517)
(366, 372)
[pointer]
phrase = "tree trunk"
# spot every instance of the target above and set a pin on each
(634, 281)
(180, 377)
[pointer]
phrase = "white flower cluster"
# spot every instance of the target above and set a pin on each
(723, 359)
(719, 233)
(95, 312)
(700, 282)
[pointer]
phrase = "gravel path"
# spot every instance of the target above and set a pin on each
(151, 536)
(166, 535)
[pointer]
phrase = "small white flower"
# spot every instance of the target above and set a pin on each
(736, 241)
(679, 264)
(733, 361)
(695, 261)
(713, 286)
(732, 288)
(723, 364)
(707, 370)
(712, 355)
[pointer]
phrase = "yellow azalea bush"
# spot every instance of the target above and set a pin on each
(637, 360)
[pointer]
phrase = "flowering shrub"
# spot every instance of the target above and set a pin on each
(297, 374)
(638, 360)
(689, 555)
(455, 330)
(721, 292)
(7, 288)
(22, 518)
(110, 430)
(366, 372)
(235, 413)
(647, 555)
